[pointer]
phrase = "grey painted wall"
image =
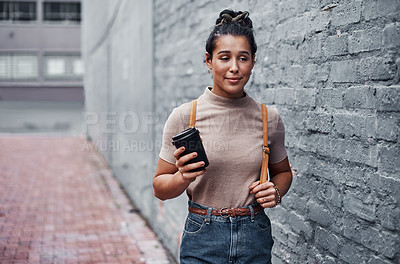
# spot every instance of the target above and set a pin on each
(117, 48)
(333, 75)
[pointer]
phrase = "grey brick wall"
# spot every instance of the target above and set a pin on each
(332, 68)
(334, 76)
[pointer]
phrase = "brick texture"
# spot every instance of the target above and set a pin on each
(62, 204)
(332, 75)
(332, 68)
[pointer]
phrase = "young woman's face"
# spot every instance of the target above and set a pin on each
(231, 64)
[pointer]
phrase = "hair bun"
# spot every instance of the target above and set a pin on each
(229, 16)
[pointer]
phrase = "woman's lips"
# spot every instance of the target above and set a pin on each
(233, 80)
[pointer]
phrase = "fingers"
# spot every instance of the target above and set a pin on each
(178, 152)
(267, 201)
(265, 196)
(184, 168)
(269, 204)
(191, 166)
(180, 161)
(265, 193)
(184, 159)
(188, 175)
(259, 187)
(254, 184)
(191, 176)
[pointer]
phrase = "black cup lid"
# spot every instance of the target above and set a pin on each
(185, 133)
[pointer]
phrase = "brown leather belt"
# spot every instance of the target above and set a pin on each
(227, 212)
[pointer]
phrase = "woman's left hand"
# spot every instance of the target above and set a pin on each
(265, 193)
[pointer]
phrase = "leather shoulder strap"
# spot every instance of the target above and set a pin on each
(265, 153)
(265, 124)
(192, 120)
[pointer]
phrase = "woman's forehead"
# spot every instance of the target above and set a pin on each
(232, 44)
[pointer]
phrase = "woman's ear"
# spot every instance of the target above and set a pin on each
(208, 60)
(253, 61)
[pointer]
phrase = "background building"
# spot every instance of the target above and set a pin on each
(40, 54)
(40, 62)
(331, 68)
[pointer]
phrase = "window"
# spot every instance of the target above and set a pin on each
(5, 67)
(63, 67)
(77, 67)
(18, 66)
(62, 11)
(25, 67)
(55, 67)
(17, 11)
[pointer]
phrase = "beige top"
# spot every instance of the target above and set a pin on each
(231, 130)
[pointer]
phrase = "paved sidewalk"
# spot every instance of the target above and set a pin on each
(62, 205)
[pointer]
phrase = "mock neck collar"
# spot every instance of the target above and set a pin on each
(224, 101)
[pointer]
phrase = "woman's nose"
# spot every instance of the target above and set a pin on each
(234, 66)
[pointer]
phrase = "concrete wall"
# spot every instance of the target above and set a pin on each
(332, 70)
(117, 48)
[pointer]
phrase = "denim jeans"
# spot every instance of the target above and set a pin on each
(218, 240)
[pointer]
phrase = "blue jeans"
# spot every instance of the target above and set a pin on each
(218, 240)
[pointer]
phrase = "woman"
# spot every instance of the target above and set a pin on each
(226, 221)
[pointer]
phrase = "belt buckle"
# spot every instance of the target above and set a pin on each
(220, 212)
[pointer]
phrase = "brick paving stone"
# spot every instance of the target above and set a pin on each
(59, 203)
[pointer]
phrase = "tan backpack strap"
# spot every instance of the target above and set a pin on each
(192, 120)
(264, 168)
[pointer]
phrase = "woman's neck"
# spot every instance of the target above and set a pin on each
(228, 95)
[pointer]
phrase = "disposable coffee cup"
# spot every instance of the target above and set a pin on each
(190, 139)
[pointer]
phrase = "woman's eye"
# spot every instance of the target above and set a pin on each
(243, 59)
(225, 58)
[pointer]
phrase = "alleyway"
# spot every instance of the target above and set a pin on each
(62, 205)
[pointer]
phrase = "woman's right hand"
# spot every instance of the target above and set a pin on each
(184, 170)
(171, 180)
